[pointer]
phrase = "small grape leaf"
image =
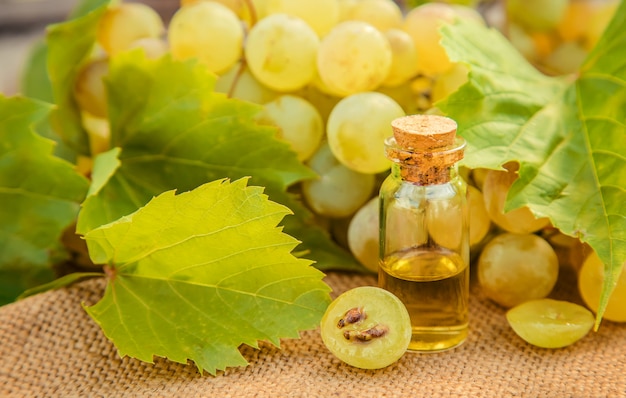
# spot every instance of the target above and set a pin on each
(173, 131)
(195, 275)
(568, 133)
(40, 196)
(69, 45)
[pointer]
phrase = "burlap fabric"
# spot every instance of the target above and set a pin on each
(51, 348)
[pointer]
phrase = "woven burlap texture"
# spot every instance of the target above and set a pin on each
(51, 348)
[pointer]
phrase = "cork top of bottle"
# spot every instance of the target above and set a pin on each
(425, 147)
(424, 132)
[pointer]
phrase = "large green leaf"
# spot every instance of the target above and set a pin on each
(39, 194)
(194, 276)
(568, 133)
(172, 131)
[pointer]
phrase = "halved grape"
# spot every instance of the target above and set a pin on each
(367, 327)
(550, 323)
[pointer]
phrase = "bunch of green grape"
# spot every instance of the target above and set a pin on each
(331, 75)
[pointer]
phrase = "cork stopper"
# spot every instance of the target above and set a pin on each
(425, 147)
(424, 132)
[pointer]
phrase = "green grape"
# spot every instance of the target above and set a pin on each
(590, 282)
(550, 323)
(339, 191)
(536, 15)
(153, 47)
(321, 15)
(281, 52)
(403, 58)
(208, 31)
(522, 41)
(404, 96)
(479, 221)
(366, 327)
(246, 87)
(566, 58)
(495, 189)
(353, 57)
(322, 101)
(99, 133)
(357, 128)
(422, 24)
(89, 90)
(514, 268)
(381, 14)
(125, 23)
(448, 82)
(363, 236)
(298, 122)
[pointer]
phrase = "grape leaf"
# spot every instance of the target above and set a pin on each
(40, 196)
(195, 275)
(568, 133)
(69, 44)
(173, 131)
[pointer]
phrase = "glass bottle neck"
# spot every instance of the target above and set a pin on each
(419, 176)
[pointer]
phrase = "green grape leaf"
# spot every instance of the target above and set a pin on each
(172, 131)
(195, 275)
(567, 133)
(40, 196)
(69, 45)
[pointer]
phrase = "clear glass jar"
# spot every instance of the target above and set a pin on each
(424, 230)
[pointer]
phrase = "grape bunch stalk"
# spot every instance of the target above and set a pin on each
(331, 75)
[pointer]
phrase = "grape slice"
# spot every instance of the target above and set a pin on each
(367, 327)
(550, 323)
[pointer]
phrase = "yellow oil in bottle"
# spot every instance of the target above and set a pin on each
(434, 286)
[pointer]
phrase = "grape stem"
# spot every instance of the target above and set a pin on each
(242, 65)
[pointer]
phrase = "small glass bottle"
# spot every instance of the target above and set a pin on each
(424, 230)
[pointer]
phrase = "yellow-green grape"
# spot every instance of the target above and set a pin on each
(590, 282)
(514, 268)
(536, 15)
(449, 82)
(357, 128)
(321, 15)
(366, 327)
(403, 58)
(381, 14)
(126, 23)
(339, 191)
(598, 21)
(345, 8)
(566, 58)
(479, 221)
(522, 41)
(442, 220)
(353, 57)
(422, 23)
(298, 122)
(208, 31)
(99, 133)
(281, 51)
(322, 101)
(363, 235)
(404, 96)
(243, 85)
(153, 47)
(89, 90)
(550, 323)
(495, 189)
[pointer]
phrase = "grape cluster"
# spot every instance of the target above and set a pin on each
(331, 75)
